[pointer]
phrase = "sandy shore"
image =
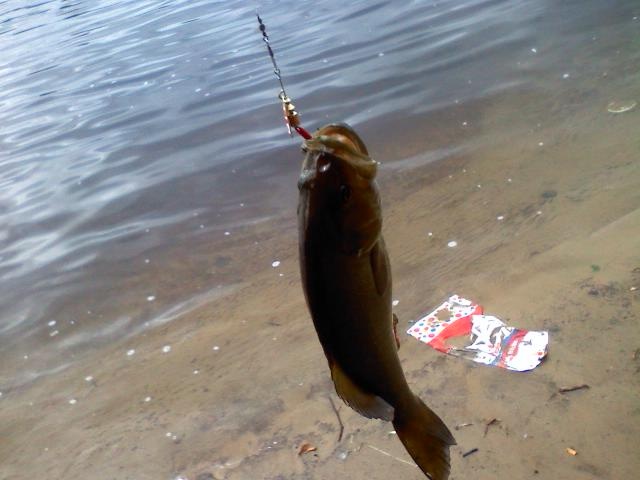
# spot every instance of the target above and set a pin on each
(246, 384)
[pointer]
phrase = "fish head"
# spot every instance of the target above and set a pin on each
(338, 193)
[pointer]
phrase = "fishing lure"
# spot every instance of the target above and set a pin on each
(291, 116)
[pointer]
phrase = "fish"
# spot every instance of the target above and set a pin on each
(346, 278)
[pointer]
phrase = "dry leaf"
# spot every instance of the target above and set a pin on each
(306, 448)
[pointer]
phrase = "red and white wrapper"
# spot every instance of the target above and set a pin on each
(491, 341)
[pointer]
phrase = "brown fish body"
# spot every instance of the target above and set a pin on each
(347, 282)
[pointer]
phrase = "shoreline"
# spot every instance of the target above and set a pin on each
(264, 391)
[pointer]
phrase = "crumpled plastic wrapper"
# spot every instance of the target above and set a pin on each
(491, 342)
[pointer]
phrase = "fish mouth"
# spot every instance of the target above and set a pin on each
(343, 133)
(340, 141)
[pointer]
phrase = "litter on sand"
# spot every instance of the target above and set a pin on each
(491, 341)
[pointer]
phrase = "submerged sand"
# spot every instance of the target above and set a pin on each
(245, 383)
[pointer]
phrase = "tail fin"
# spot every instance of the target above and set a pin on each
(425, 437)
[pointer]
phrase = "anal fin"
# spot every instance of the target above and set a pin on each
(365, 403)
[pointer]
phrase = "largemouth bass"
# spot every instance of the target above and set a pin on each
(347, 283)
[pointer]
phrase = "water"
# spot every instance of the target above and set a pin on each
(137, 134)
(123, 121)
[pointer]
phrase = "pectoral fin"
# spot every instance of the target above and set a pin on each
(395, 330)
(379, 267)
(365, 403)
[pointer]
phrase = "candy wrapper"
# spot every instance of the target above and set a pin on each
(491, 341)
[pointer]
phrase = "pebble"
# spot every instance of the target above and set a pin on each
(500, 217)
(72, 401)
(216, 348)
(147, 399)
(88, 378)
(151, 298)
(275, 264)
(166, 349)
(395, 302)
(130, 352)
(452, 244)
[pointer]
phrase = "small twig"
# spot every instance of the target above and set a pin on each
(466, 454)
(573, 389)
(389, 455)
(493, 421)
(335, 410)
(462, 425)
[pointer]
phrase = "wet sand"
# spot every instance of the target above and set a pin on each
(245, 383)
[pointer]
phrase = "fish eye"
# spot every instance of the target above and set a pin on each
(345, 193)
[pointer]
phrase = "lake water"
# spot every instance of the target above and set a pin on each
(137, 137)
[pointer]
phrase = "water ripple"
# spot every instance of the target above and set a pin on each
(121, 116)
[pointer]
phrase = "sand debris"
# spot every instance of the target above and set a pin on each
(306, 448)
(621, 107)
(463, 425)
(337, 412)
(493, 421)
(469, 452)
(574, 388)
(379, 450)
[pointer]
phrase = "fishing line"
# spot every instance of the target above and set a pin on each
(291, 116)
